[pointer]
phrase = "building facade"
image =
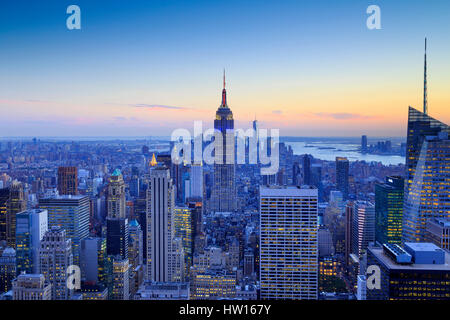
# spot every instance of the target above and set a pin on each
(288, 243)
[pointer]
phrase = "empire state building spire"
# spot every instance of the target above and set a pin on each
(224, 92)
(425, 93)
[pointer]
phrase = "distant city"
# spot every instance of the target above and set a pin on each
(138, 218)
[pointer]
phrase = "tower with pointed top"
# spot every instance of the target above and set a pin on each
(425, 89)
(223, 197)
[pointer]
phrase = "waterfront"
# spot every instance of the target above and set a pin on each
(330, 150)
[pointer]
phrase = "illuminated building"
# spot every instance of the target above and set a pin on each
(55, 256)
(68, 180)
(30, 230)
(418, 271)
(212, 285)
(7, 269)
(438, 232)
(363, 226)
(94, 292)
(118, 278)
(16, 203)
(72, 214)
(288, 243)
(183, 227)
(427, 183)
(389, 210)
(342, 183)
(31, 287)
(223, 197)
(4, 197)
(328, 266)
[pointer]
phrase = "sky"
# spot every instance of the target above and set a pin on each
(145, 68)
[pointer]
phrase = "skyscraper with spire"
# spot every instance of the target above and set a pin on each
(427, 183)
(223, 198)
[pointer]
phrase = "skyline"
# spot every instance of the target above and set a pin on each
(285, 64)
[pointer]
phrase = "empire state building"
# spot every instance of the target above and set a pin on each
(223, 198)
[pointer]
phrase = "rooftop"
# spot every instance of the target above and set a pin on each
(288, 191)
(378, 252)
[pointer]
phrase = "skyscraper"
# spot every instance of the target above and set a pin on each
(196, 180)
(363, 226)
(68, 180)
(93, 259)
(116, 195)
(116, 221)
(16, 203)
(307, 179)
(4, 197)
(183, 229)
(159, 224)
(72, 214)
(427, 182)
(55, 257)
(364, 144)
(288, 243)
(118, 278)
(389, 210)
(117, 233)
(31, 228)
(223, 198)
(342, 167)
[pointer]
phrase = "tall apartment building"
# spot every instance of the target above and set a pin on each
(30, 230)
(55, 258)
(72, 214)
(31, 287)
(288, 243)
(68, 180)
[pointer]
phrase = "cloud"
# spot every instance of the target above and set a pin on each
(277, 112)
(342, 116)
(156, 106)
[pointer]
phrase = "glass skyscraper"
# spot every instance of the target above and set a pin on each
(427, 184)
(389, 210)
(72, 214)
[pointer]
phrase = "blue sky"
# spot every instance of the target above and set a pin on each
(296, 65)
